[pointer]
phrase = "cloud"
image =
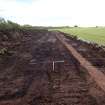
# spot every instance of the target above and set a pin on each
(2, 10)
(54, 12)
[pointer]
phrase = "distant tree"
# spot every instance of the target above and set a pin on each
(75, 26)
(2, 23)
(26, 25)
(12, 25)
(6, 25)
(2, 20)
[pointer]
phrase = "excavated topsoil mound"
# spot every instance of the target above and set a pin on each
(92, 52)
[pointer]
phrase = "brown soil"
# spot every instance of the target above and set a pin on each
(27, 76)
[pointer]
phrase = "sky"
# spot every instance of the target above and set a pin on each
(54, 12)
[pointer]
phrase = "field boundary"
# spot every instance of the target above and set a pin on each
(97, 75)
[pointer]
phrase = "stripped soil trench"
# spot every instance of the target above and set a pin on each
(37, 83)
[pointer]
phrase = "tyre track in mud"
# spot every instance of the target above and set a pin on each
(64, 86)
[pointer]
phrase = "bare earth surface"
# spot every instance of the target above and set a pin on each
(27, 77)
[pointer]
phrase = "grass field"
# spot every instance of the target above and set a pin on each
(93, 34)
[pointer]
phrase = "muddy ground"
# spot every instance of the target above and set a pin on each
(27, 76)
(91, 51)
